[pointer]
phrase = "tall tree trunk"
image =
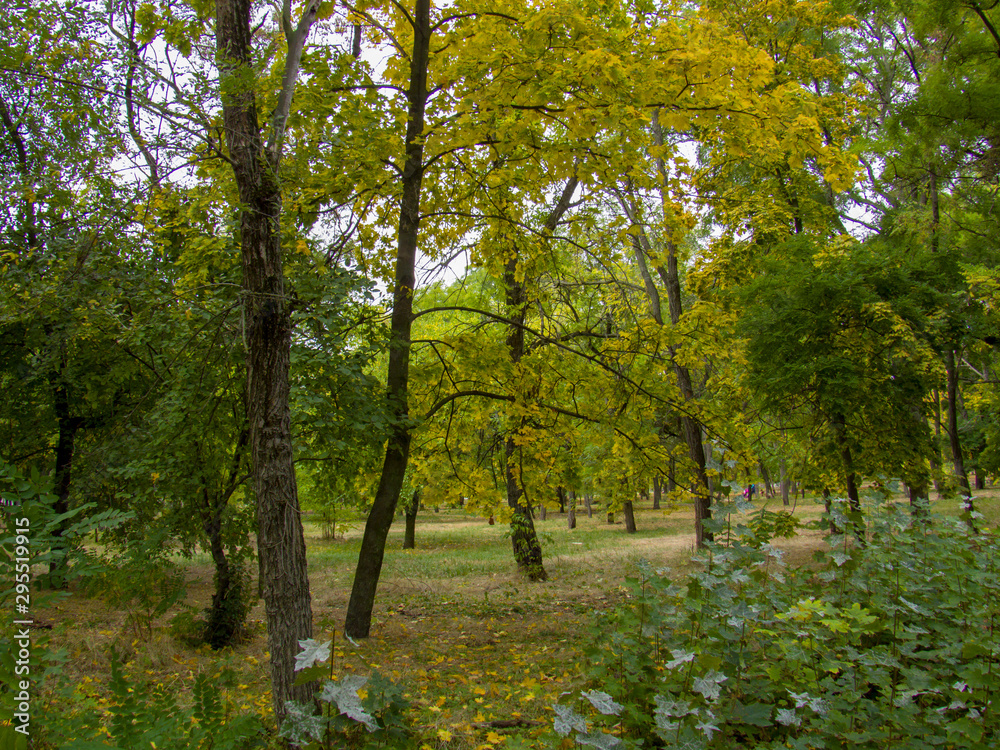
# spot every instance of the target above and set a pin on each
(527, 548)
(690, 427)
(410, 511)
(571, 510)
(362, 602)
(267, 316)
(766, 476)
(847, 461)
(657, 492)
(935, 454)
(588, 503)
(629, 512)
(67, 426)
(958, 461)
(220, 628)
(225, 618)
(784, 482)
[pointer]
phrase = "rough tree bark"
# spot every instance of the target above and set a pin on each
(267, 329)
(362, 602)
(629, 512)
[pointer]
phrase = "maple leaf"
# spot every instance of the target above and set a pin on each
(707, 727)
(668, 707)
(345, 695)
(787, 717)
(301, 723)
(599, 740)
(568, 720)
(603, 702)
(709, 685)
(680, 657)
(312, 652)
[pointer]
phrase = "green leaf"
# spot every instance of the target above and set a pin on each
(756, 714)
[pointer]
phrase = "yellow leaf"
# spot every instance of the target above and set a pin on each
(444, 735)
(493, 738)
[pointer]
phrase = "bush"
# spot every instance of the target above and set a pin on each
(355, 712)
(142, 582)
(145, 714)
(890, 645)
(225, 622)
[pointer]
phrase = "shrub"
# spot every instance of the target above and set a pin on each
(890, 645)
(355, 711)
(143, 714)
(142, 582)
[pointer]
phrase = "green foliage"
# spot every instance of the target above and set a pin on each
(30, 497)
(148, 714)
(142, 582)
(768, 524)
(355, 711)
(890, 645)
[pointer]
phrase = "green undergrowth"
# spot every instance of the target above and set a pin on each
(889, 644)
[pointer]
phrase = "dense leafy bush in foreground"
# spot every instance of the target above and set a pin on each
(889, 645)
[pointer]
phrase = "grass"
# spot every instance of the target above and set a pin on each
(468, 638)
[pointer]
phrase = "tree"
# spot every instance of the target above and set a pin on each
(359, 609)
(69, 267)
(268, 325)
(826, 331)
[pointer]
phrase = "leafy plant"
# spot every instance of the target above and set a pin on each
(768, 524)
(142, 582)
(889, 645)
(363, 712)
(147, 714)
(28, 516)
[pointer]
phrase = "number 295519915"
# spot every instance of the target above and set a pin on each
(22, 561)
